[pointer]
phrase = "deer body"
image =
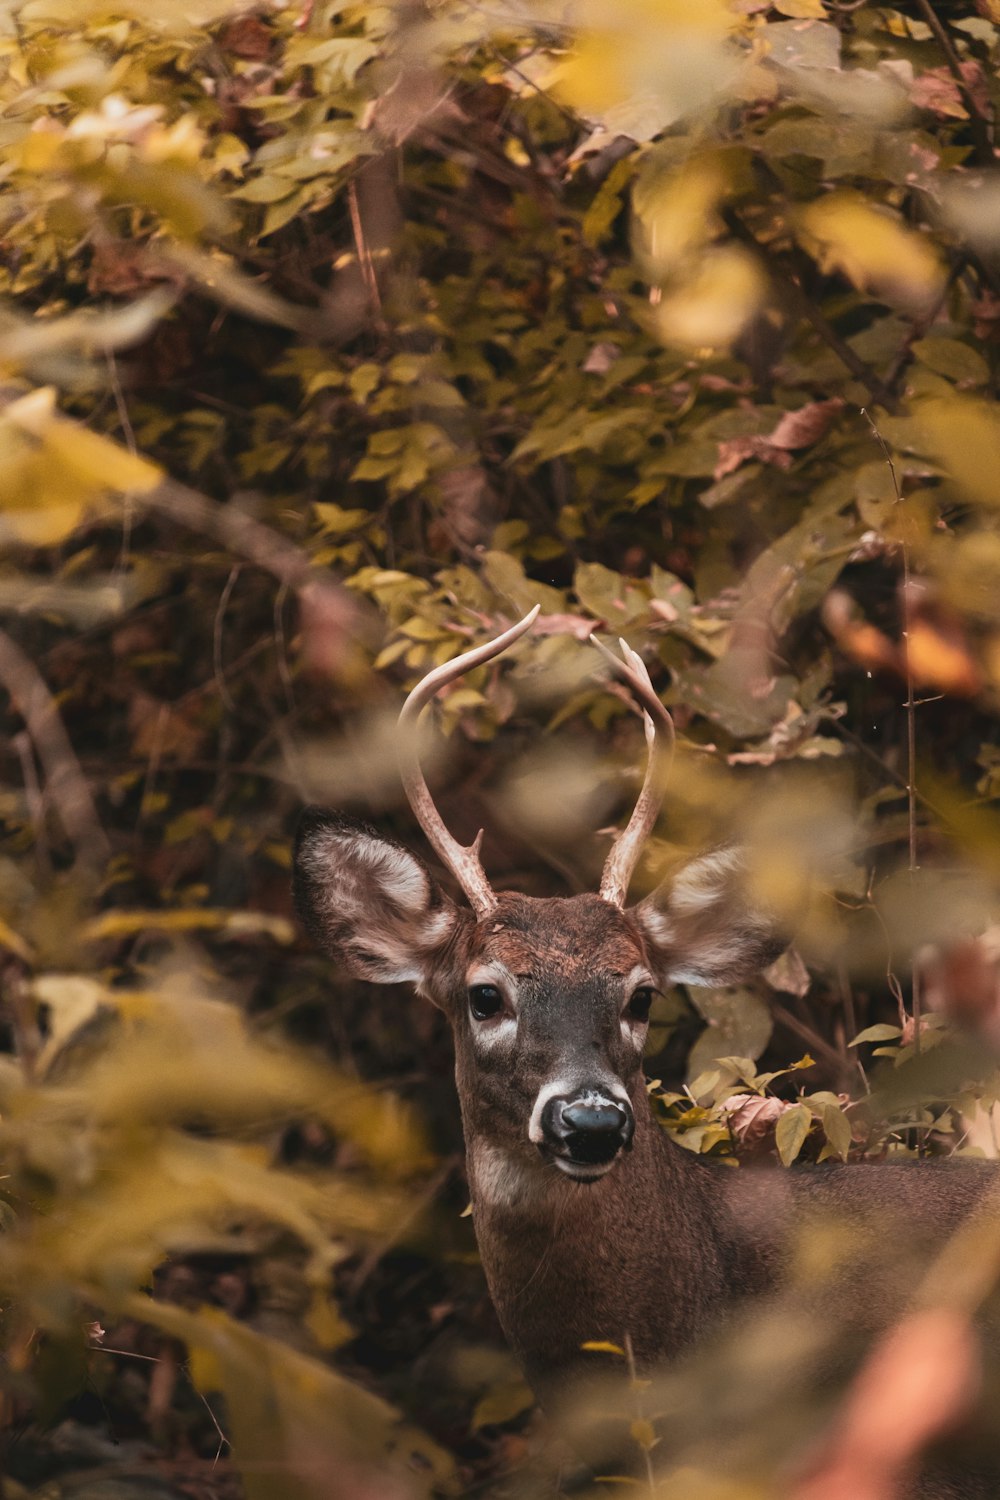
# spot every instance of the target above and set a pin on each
(593, 1225)
(641, 1255)
(668, 1249)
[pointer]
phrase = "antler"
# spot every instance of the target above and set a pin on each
(625, 850)
(461, 861)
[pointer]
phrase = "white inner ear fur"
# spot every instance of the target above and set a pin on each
(350, 871)
(702, 923)
(400, 876)
(702, 883)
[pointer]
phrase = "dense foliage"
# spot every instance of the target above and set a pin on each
(335, 336)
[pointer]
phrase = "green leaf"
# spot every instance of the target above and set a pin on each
(954, 359)
(880, 1033)
(791, 1132)
(739, 1023)
(501, 1404)
(837, 1127)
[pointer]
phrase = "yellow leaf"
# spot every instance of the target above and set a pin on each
(45, 528)
(643, 1433)
(325, 1323)
(98, 461)
(117, 924)
(677, 215)
(73, 1000)
(712, 306)
(873, 249)
(646, 64)
(25, 339)
(293, 1415)
(964, 435)
(601, 1346)
(187, 1052)
(501, 1404)
(791, 1132)
(801, 10)
(53, 469)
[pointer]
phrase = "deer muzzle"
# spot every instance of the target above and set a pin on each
(585, 1132)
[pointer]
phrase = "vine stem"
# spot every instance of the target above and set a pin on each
(910, 706)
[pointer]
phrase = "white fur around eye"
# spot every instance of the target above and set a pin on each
(632, 1029)
(488, 1036)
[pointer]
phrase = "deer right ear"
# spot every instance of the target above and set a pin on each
(367, 901)
(704, 927)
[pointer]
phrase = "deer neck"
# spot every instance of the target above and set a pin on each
(636, 1255)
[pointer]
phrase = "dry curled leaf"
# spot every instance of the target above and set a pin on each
(938, 90)
(796, 429)
(752, 1117)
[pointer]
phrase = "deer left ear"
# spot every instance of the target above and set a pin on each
(368, 901)
(702, 927)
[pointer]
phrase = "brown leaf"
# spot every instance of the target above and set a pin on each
(789, 974)
(802, 428)
(162, 732)
(796, 429)
(938, 91)
(963, 982)
(752, 1117)
(248, 37)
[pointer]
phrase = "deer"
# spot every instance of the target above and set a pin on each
(593, 1224)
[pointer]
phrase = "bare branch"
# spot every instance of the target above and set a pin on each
(66, 784)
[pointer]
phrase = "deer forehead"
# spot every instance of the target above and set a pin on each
(559, 938)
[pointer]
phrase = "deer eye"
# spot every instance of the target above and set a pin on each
(485, 1001)
(639, 1006)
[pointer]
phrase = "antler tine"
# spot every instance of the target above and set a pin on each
(625, 850)
(462, 861)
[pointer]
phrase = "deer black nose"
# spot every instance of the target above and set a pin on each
(589, 1128)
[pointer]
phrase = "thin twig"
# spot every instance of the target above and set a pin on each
(265, 548)
(249, 538)
(361, 246)
(636, 1384)
(807, 309)
(805, 1033)
(128, 502)
(284, 670)
(33, 796)
(66, 784)
(910, 705)
(220, 615)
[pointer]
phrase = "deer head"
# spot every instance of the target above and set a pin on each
(548, 999)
